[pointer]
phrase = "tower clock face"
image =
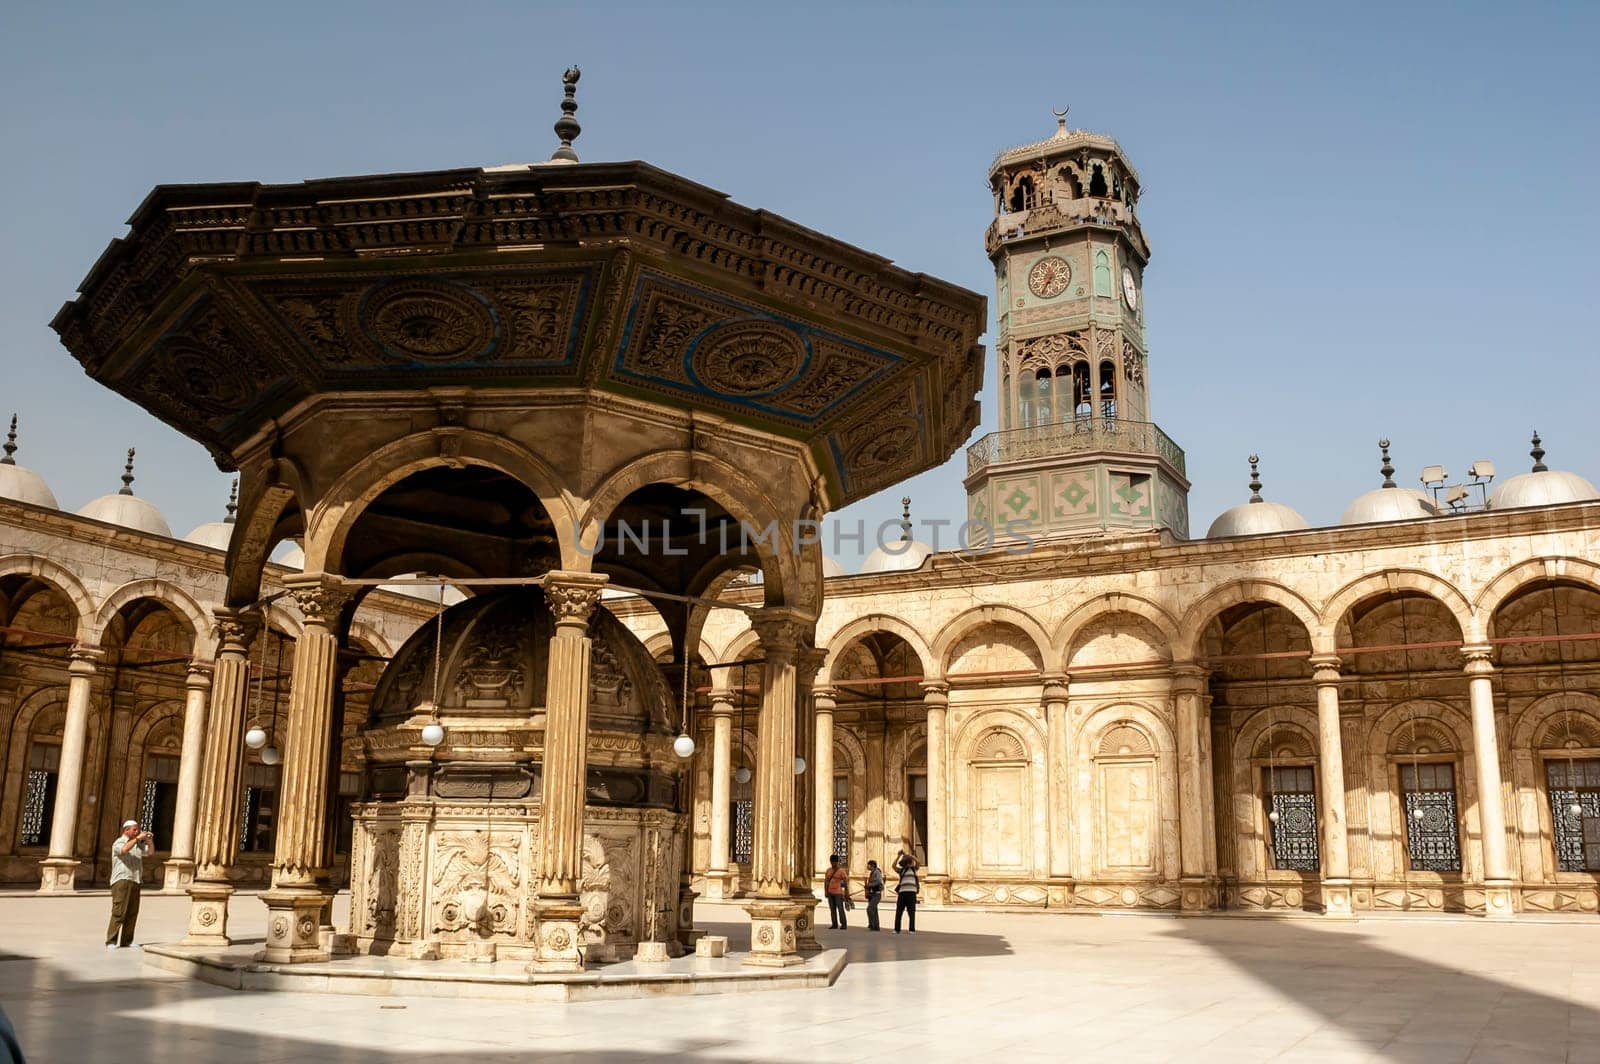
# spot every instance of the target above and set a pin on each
(1130, 289)
(1049, 277)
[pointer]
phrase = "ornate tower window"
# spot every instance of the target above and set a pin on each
(1108, 390)
(1102, 274)
(1081, 391)
(1023, 195)
(1574, 788)
(1291, 793)
(1042, 408)
(1428, 799)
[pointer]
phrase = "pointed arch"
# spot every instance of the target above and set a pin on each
(60, 579)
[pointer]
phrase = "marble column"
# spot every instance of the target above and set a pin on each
(217, 827)
(1058, 789)
(1198, 884)
(808, 660)
(1497, 896)
(298, 894)
(573, 598)
(59, 869)
(822, 757)
(179, 870)
(1330, 782)
(936, 876)
(719, 877)
(773, 910)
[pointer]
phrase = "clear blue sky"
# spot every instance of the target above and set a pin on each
(1366, 220)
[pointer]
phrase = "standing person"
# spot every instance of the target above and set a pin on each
(127, 874)
(836, 887)
(874, 893)
(905, 892)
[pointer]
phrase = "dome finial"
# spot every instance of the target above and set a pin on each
(233, 502)
(1537, 454)
(905, 519)
(127, 475)
(1388, 466)
(1061, 120)
(11, 443)
(1255, 479)
(566, 126)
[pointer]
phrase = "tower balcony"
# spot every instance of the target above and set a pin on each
(1056, 215)
(1079, 435)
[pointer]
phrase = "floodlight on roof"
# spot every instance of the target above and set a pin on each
(1482, 469)
(1433, 474)
(1454, 494)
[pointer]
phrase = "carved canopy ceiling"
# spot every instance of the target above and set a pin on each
(229, 304)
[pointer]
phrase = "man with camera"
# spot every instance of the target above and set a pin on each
(127, 874)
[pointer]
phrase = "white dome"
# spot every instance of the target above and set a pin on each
(24, 485)
(1389, 504)
(293, 558)
(1256, 519)
(213, 534)
(129, 511)
(426, 592)
(832, 568)
(1548, 487)
(903, 558)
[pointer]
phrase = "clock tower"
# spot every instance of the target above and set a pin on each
(1077, 452)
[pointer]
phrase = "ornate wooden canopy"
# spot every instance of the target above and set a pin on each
(229, 304)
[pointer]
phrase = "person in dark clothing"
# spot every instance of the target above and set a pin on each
(905, 891)
(10, 1051)
(874, 891)
(837, 886)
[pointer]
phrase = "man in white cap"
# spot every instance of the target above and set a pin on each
(127, 873)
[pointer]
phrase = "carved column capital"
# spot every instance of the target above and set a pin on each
(721, 702)
(781, 631)
(807, 663)
(198, 678)
(320, 598)
(1055, 686)
(573, 596)
(85, 660)
(1478, 659)
(1325, 669)
(826, 699)
(235, 630)
(1189, 678)
(935, 694)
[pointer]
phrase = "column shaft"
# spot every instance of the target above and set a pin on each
(60, 867)
(1336, 900)
(197, 689)
(772, 863)
(1491, 797)
(936, 701)
(1058, 764)
(721, 778)
(823, 758)
(303, 794)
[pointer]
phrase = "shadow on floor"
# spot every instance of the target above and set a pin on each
(880, 947)
(1408, 1008)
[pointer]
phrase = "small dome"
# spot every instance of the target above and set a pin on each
(904, 557)
(1389, 502)
(217, 534)
(20, 483)
(293, 558)
(125, 508)
(426, 592)
(1257, 517)
(1541, 487)
(832, 568)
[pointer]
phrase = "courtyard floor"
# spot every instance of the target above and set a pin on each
(969, 987)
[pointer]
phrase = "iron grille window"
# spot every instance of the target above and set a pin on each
(743, 831)
(841, 828)
(1433, 843)
(1575, 783)
(919, 817)
(159, 805)
(39, 799)
(1292, 794)
(258, 810)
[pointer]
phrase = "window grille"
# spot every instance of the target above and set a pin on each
(841, 828)
(39, 798)
(1575, 783)
(1292, 792)
(743, 831)
(1433, 842)
(258, 810)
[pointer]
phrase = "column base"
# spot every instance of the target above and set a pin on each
(1498, 902)
(294, 923)
(720, 884)
(560, 943)
(805, 924)
(1197, 894)
(652, 953)
(935, 889)
(176, 875)
(773, 939)
(1058, 892)
(1336, 900)
(208, 914)
(58, 875)
(687, 935)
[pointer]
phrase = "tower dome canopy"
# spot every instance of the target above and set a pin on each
(129, 511)
(1548, 487)
(903, 557)
(1389, 504)
(1256, 519)
(493, 652)
(24, 485)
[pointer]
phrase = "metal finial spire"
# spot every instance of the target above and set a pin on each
(1538, 454)
(233, 503)
(1388, 466)
(905, 519)
(127, 475)
(11, 443)
(566, 126)
(1061, 120)
(1255, 479)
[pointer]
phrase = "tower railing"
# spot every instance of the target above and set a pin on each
(1072, 436)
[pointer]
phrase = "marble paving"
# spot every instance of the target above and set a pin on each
(971, 986)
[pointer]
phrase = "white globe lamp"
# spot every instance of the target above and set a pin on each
(270, 756)
(433, 733)
(741, 775)
(255, 738)
(683, 746)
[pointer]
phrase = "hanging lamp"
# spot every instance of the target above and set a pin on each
(433, 731)
(683, 745)
(272, 755)
(741, 775)
(256, 737)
